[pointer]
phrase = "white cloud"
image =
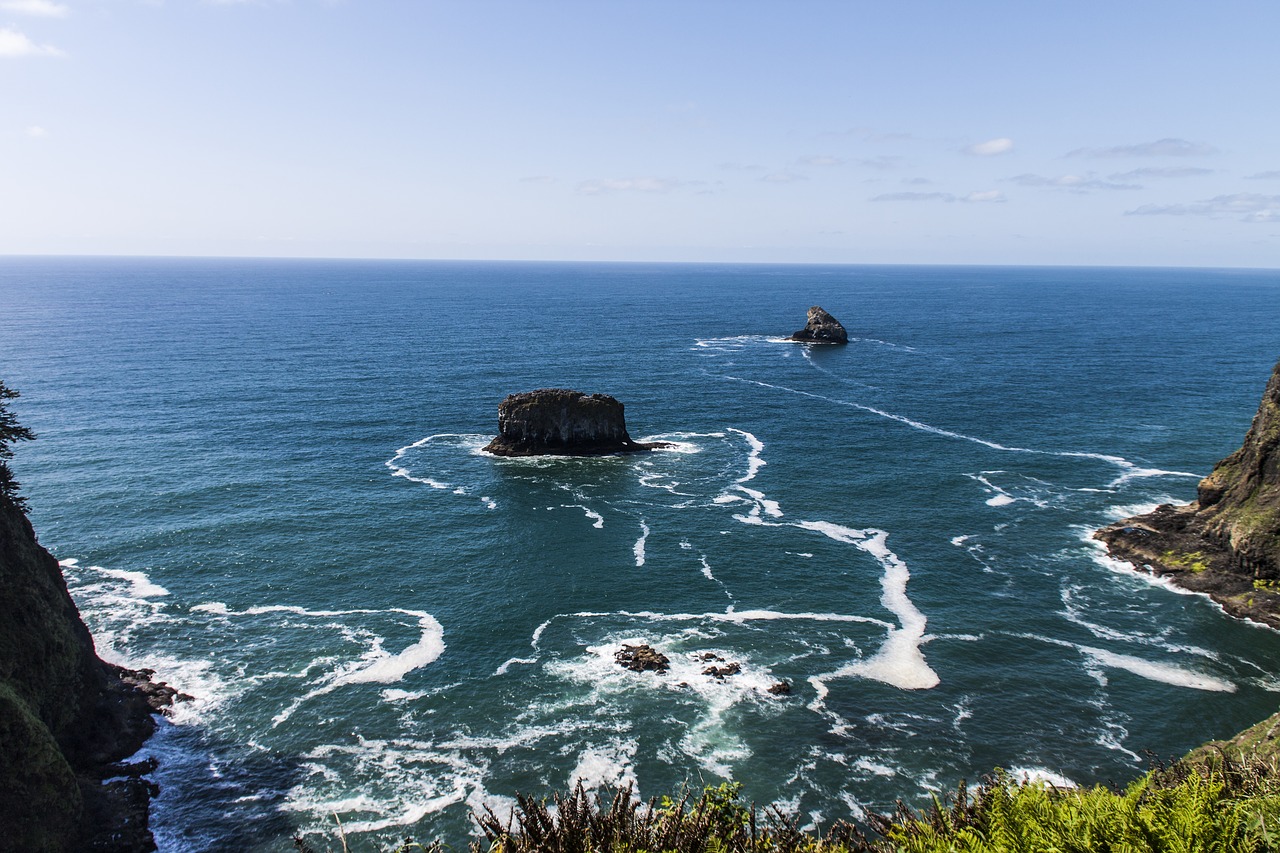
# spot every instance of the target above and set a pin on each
(1271, 175)
(602, 186)
(984, 196)
(35, 131)
(978, 196)
(1252, 207)
(1167, 147)
(15, 44)
(35, 8)
(1078, 183)
(992, 147)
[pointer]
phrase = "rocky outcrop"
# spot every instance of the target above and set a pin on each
(1226, 543)
(66, 717)
(641, 658)
(561, 422)
(821, 328)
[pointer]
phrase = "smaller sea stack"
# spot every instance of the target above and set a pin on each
(561, 422)
(821, 328)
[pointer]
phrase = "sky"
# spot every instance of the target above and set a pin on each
(899, 131)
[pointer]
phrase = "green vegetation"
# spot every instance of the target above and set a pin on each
(1195, 561)
(1217, 803)
(1266, 585)
(10, 431)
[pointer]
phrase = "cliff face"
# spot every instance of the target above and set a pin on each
(65, 716)
(561, 422)
(1238, 504)
(1226, 543)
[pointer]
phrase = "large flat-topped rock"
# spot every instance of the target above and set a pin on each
(562, 422)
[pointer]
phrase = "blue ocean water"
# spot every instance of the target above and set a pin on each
(264, 481)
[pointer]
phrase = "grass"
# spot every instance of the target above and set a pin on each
(1219, 803)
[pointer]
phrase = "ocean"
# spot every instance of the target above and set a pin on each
(263, 479)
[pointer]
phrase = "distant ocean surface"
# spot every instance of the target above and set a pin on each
(264, 481)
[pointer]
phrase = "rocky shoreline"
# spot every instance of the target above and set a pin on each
(1226, 544)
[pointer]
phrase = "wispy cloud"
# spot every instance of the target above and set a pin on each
(1251, 207)
(1168, 147)
(783, 178)
(1156, 172)
(538, 179)
(867, 134)
(602, 186)
(883, 163)
(14, 44)
(35, 131)
(1271, 175)
(918, 182)
(992, 147)
(1078, 183)
(978, 196)
(35, 8)
(820, 160)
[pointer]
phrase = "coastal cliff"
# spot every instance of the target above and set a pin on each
(562, 422)
(66, 717)
(1227, 542)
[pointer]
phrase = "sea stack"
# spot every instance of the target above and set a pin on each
(1226, 543)
(821, 328)
(561, 422)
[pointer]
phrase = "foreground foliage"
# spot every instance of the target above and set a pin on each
(1217, 805)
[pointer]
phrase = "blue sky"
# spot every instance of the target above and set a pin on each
(853, 132)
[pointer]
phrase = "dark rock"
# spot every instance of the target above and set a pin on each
(782, 688)
(821, 328)
(561, 422)
(642, 658)
(705, 657)
(1227, 542)
(719, 672)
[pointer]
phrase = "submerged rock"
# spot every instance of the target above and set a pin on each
(821, 328)
(642, 658)
(561, 422)
(781, 688)
(1227, 542)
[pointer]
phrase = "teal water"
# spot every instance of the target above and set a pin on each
(263, 480)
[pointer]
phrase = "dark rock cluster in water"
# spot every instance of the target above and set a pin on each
(1226, 543)
(821, 328)
(642, 658)
(562, 422)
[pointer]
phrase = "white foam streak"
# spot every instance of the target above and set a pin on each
(1040, 776)
(1162, 672)
(638, 548)
(1130, 470)
(140, 586)
(754, 460)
